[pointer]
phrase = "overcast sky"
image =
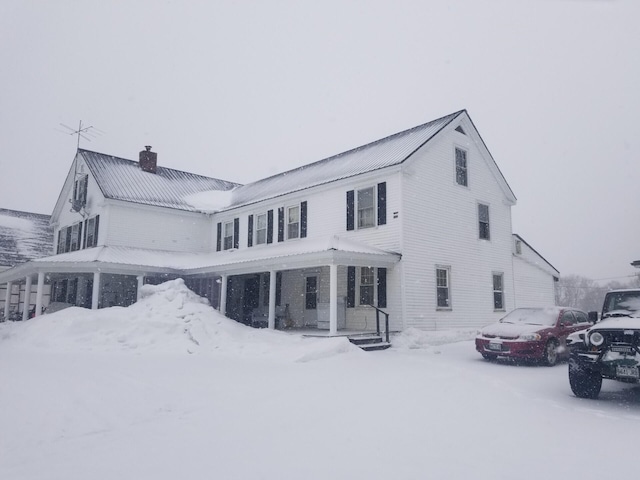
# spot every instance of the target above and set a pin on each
(243, 90)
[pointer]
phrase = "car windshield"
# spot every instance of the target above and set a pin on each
(532, 316)
(623, 303)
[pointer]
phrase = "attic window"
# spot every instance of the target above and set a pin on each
(460, 129)
(518, 247)
(80, 192)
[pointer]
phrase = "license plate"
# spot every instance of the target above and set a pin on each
(627, 372)
(495, 346)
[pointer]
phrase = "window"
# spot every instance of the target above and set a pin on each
(293, 222)
(62, 239)
(442, 287)
(366, 208)
(80, 192)
(228, 235)
(75, 237)
(91, 232)
(518, 247)
(498, 291)
(311, 293)
(483, 221)
(461, 167)
(261, 229)
(367, 281)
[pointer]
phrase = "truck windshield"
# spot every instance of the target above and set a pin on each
(623, 303)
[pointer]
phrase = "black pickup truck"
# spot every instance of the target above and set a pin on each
(609, 349)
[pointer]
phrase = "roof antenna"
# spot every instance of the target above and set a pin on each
(85, 132)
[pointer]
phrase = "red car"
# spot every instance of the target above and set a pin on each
(532, 334)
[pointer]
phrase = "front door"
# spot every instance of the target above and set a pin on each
(311, 301)
(251, 297)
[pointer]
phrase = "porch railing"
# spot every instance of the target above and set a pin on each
(386, 322)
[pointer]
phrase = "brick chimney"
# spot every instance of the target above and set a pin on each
(148, 160)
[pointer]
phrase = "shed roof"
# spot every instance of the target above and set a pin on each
(122, 179)
(24, 236)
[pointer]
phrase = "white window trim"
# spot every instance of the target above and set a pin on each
(455, 166)
(356, 207)
(478, 220)
(255, 228)
(225, 236)
(286, 221)
(359, 285)
(493, 290)
(447, 268)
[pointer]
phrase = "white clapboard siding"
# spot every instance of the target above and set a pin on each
(440, 228)
(157, 228)
(535, 278)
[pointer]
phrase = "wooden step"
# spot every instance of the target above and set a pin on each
(372, 347)
(369, 342)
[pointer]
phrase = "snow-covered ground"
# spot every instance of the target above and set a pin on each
(169, 389)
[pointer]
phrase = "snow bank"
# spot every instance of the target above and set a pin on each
(168, 318)
(413, 338)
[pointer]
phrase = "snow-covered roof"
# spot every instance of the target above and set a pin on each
(533, 250)
(382, 153)
(24, 236)
(122, 179)
(186, 261)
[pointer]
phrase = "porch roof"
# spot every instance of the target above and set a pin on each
(281, 256)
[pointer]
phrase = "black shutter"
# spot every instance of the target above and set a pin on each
(278, 288)
(270, 226)
(236, 233)
(382, 288)
(75, 190)
(382, 203)
(250, 230)
(281, 224)
(351, 286)
(219, 243)
(350, 212)
(58, 250)
(84, 234)
(95, 231)
(67, 240)
(303, 219)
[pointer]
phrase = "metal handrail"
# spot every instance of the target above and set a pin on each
(386, 322)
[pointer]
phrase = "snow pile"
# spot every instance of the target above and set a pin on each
(210, 201)
(168, 318)
(413, 338)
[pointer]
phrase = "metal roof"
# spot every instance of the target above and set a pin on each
(382, 153)
(24, 236)
(122, 179)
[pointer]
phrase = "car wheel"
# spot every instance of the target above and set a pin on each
(584, 383)
(489, 356)
(550, 355)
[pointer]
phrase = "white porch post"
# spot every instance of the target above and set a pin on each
(333, 299)
(7, 300)
(140, 284)
(272, 300)
(39, 293)
(27, 299)
(223, 295)
(95, 294)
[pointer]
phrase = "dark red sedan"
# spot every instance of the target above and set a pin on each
(532, 333)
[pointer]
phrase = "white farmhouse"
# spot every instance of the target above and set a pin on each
(417, 224)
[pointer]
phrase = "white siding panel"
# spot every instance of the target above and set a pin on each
(440, 227)
(158, 229)
(534, 287)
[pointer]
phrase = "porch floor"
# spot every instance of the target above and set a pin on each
(314, 332)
